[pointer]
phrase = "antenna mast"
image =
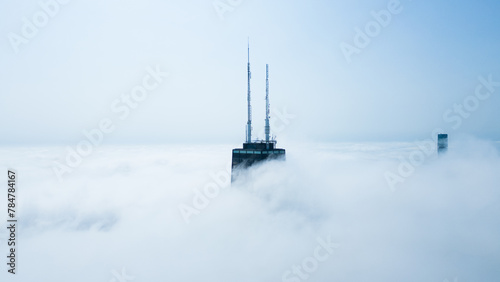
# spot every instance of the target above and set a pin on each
(249, 122)
(268, 127)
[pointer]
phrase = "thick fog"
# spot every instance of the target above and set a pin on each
(326, 214)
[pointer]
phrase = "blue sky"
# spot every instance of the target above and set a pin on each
(427, 59)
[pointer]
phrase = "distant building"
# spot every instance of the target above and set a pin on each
(442, 143)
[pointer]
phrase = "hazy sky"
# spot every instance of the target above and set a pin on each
(67, 72)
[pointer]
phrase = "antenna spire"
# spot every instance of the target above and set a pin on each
(249, 122)
(268, 127)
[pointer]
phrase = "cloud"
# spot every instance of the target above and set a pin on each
(120, 210)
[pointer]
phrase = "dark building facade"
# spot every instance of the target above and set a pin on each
(256, 152)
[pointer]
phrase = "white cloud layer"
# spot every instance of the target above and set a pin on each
(120, 209)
